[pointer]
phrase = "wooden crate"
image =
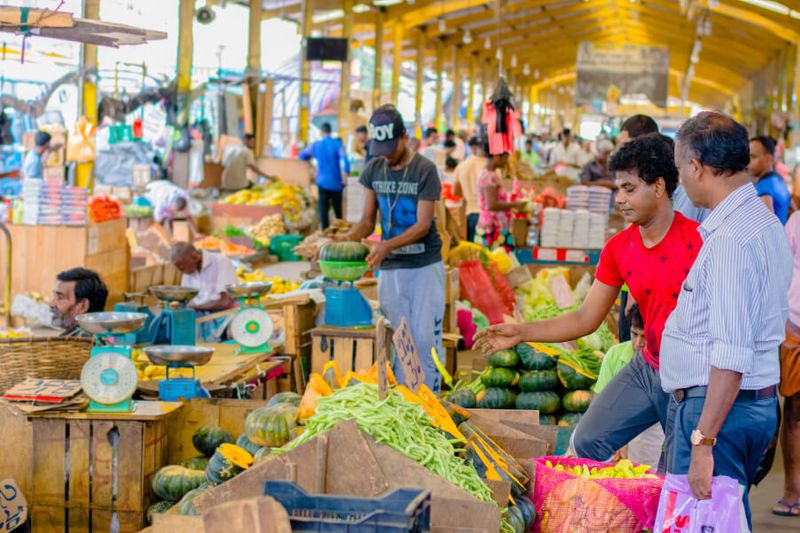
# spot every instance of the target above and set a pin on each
(297, 319)
(90, 470)
(452, 292)
(351, 348)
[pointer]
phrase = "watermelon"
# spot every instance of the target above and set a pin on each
(533, 359)
(577, 401)
(496, 398)
(546, 402)
(463, 398)
(569, 419)
(538, 380)
(574, 379)
(500, 377)
(547, 420)
(504, 358)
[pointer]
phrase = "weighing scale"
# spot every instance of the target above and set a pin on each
(345, 307)
(251, 326)
(109, 376)
(176, 324)
(174, 357)
(131, 305)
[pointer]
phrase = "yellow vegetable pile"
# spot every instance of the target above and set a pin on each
(13, 334)
(267, 228)
(622, 470)
(291, 197)
(147, 372)
(279, 285)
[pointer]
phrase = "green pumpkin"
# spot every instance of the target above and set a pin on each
(186, 505)
(546, 402)
(538, 380)
(496, 398)
(228, 461)
(347, 252)
(262, 455)
(208, 438)
(504, 358)
(547, 420)
(173, 481)
(158, 508)
(463, 398)
(271, 426)
(533, 359)
(569, 420)
(500, 377)
(515, 518)
(289, 398)
(573, 379)
(577, 401)
(196, 463)
(526, 507)
(246, 444)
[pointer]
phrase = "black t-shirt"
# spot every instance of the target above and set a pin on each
(398, 193)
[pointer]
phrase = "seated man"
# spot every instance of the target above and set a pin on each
(77, 291)
(210, 273)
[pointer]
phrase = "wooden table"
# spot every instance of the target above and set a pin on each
(225, 368)
(91, 467)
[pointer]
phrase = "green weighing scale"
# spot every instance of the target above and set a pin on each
(251, 326)
(109, 376)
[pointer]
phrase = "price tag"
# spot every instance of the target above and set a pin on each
(408, 357)
(44, 388)
(13, 507)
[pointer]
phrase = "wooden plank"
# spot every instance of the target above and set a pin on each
(131, 490)
(102, 464)
(16, 428)
(365, 354)
(343, 353)
(48, 519)
(146, 411)
(49, 455)
(106, 236)
(361, 333)
(79, 482)
(78, 518)
(321, 352)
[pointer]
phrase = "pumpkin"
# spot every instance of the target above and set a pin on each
(546, 402)
(290, 398)
(196, 463)
(463, 398)
(262, 455)
(158, 508)
(496, 398)
(207, 438)
(246, 444)
(533, 359)
(173, 481)
(538, 380)
(500, 377)
(504, 358)
(525, 505)
(515, 518)
(573, 378)
(271, 426)
(186, 505)
(350, 252)
(577, 401)
(547, 420)
(569, 420)
(228, 461)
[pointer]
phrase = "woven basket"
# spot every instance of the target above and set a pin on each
(49, 358)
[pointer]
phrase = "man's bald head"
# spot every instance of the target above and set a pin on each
(186, 257)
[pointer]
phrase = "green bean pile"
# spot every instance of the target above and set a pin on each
(399, 424)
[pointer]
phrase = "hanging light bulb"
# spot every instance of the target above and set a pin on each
(526, 69)
(513, 60)
(536, 74)
(487, 43)
(442, 26)
(467, 39)
(499, 54)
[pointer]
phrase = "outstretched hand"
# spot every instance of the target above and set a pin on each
(498, 337)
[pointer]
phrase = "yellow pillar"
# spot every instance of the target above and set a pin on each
(344, 94)
(380, 17)
(437, 115)
(84, 171)
(254, 67)
(185, 45)
(456, 88)
(305, 72)
(397, 60)
(471, 93)
(418, 92)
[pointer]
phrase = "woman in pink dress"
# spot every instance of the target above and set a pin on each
(494, 222)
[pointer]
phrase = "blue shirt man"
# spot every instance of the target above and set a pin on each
(330, 156)
(769, 184)
(33, 167)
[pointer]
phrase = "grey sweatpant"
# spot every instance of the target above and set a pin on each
(416, 294)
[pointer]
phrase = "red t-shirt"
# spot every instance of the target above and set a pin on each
(654, 275)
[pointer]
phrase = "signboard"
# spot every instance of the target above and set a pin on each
(406, 351)
(606, 72)
(45, 390)
(13, 507)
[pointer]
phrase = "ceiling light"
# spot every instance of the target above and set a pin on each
(442, 26)
(513, 60)
(499, 54)
(361, 8)
(536, 74)
(694, 59)
(385, 3)
(526, 70)
(467, 39)
(487, 43)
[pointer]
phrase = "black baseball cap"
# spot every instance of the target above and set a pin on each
(386, 129)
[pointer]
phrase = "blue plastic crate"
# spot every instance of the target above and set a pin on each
(401, 510)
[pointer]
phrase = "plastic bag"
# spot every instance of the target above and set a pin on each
(502, 287)
(566, 503)
(477, 287)
(679, 511)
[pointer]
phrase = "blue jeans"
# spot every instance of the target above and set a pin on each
(472, 222)
(741, 443)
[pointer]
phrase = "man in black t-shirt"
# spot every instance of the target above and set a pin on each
(403, 187)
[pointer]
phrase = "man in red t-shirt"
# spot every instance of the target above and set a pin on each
(652, 256)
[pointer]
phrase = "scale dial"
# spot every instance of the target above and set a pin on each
(251, 327)
(109, 378)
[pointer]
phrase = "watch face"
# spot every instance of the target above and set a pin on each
(697, 438)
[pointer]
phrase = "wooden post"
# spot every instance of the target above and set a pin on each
(305, 72)
(437, 114)
(471, 93)
(344, 92)
(484, 88)
(418, 92)
(185, 45)
(397, 60)
(91, 11)
(380, 17)
(254, 70)
(456, 89)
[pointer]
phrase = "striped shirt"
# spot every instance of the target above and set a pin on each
(732, 309)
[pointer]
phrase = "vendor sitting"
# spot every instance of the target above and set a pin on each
(77, 291)
(210, 273)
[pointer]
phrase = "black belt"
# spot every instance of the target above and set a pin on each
(743, 396)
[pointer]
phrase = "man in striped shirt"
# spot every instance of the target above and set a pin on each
(720, 345)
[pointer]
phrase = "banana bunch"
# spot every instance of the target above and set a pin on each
(281, 286)
(248, 277)
(157, 373)
(622, 470)
(13, 334)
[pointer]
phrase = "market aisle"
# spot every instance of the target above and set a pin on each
(764, 497)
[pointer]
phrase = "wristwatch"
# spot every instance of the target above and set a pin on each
(698, 439)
